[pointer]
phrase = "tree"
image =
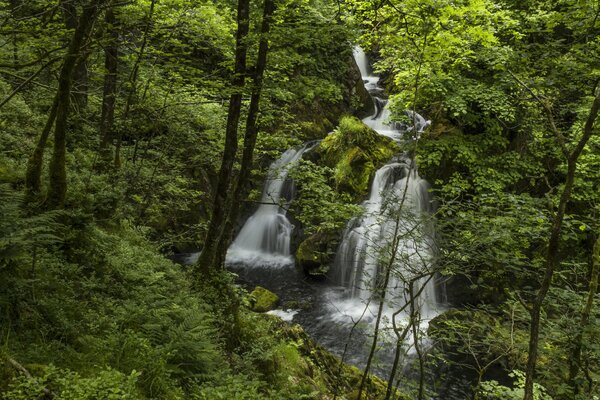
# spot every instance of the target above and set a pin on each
(218, 219)
(240, 186)
(553, 255)
(58, 116)
(109, 96)
(58, 175)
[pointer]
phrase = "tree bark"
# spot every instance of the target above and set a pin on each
(241, 186)
(133, 76)
(58, 174)
(109, 95)
(552, 258)
(207, 259)
(81, 75)
(33, 176)
(575, 359)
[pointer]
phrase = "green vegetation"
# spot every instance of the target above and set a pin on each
(355, 152)
(512, 90)
(263, 300)
(130, 131)
(96, 190)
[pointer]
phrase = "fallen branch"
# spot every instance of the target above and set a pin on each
(16, 365)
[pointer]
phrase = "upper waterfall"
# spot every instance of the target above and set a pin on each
(394, 231)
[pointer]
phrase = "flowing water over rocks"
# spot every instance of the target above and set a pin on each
(395, 234)
(265, 238)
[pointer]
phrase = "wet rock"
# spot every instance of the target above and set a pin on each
(263, 300)
(316, 252)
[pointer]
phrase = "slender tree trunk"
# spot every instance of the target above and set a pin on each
(575, 359)
(111, 62)
(33, 176)
(241, 186)
(133, 76)
(80, 74)
(219, 215)
(552, 258)
(58, 174)
(400, 340)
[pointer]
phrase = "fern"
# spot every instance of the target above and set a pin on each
(20, 234)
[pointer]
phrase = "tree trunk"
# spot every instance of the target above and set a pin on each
(80, 80)
(575, 359)
(133, 82)
(33, 176)
(111, 54)
(58, 174)
(552, 258)
(220, 213)
(241, 186)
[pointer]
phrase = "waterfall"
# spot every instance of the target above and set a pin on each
(265, 237)
(395, 229)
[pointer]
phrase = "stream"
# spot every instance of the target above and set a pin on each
(340, 312)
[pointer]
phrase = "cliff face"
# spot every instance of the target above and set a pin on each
(320, 116)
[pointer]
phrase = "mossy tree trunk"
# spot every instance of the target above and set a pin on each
(80, 75)
(575, 359)
(208, 258)
(58, 174)
(109, 95)
(33, 176)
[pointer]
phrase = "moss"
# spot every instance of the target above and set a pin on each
(327, 373)
(263, 300)
(355, 151)
(316, 252)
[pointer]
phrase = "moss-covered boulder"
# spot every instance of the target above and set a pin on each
(263, 300)
(355, 151)
(316, 252)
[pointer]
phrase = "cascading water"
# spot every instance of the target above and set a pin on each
(329, 311)
(393, 232)
(265, 237)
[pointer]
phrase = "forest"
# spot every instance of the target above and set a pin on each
(299, 199)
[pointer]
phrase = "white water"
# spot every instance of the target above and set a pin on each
(394, 232)
(265, 237)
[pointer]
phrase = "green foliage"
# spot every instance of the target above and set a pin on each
(488, 73)
(68, 385)
(21, 235)
(491, 390)
(497, 240)
(318, 206)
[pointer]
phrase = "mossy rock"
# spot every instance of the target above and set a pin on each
(326, 368)
(263, 300)
(355, 151)
(316, 252)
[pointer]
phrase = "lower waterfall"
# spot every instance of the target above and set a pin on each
(265, 237)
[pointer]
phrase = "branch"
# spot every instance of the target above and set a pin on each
(34, 62)
(26, 81)
(588, 129)
(559, 136)
(28, 375)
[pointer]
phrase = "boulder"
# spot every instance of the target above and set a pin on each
(355, 151)
(263, 300)
(316, 252)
